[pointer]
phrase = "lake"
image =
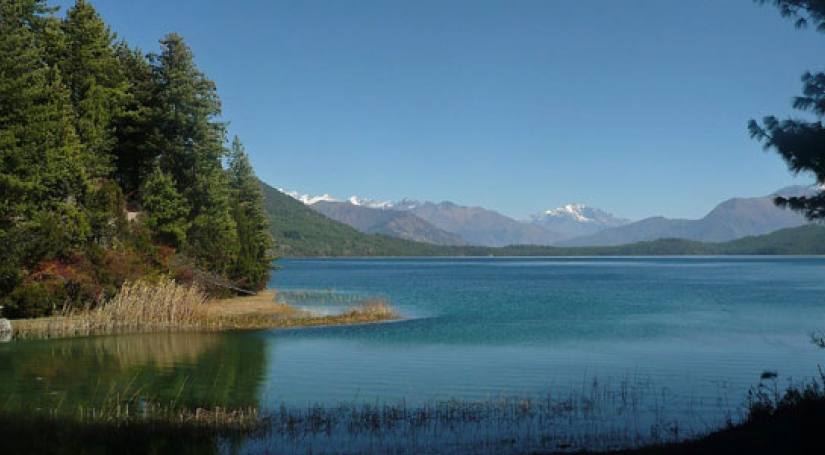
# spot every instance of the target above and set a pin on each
(631, 347)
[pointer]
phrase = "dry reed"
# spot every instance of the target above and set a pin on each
(165, 305)
(217, 418)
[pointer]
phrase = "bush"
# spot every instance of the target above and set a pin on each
(34, 299)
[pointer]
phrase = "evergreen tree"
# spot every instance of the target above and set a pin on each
(253, 263)
(96, 82)
(212, 237)
(191, 141)
(165, 210)
(803, 12)
(136, 150)
(190, 138)
(40, 169)
(42, 181)
(799, 142)
(87, 126)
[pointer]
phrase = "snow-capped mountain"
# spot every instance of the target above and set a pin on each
(731, 219)
(441, 223)
(308, 199)
(480, 226)
(371, 203)
(372, 216)
(573, 220)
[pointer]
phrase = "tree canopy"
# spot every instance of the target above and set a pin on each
(112, 165)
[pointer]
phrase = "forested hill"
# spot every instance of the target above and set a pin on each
(804, 240)
(114, 167)
(300, 231)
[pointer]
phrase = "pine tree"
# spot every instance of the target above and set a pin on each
(212, 237)
(41, 177)
(87, 126)
(253, 263)
(165, 210)
(190, 138)
(135, 127)
(191, 141)
(800, 143)
(40, 168)
(96, 82)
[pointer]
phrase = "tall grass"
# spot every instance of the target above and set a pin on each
(139, 306)
(165, 305)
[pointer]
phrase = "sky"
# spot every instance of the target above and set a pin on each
(638, 107)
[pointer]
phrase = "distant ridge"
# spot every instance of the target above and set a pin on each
(395, 223)
(299, 231)
(302, 232)
(576, 220)
(480, 226)
(732, 219)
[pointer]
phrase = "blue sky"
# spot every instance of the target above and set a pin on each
(638, 107)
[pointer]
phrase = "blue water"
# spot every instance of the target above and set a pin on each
(704, 328)
(627, 349)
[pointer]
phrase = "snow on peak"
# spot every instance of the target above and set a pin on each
(308, 199)
(575, 211)
(579, 214)
(407, 204)
(355, 200)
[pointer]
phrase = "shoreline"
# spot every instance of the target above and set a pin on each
(255, 312)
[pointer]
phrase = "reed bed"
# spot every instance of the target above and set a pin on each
(365, 312)
(602, 416)
(243, 420)
(128, 427)
(165, 305)
(138, 307)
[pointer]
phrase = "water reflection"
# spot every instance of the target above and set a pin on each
(178, 369)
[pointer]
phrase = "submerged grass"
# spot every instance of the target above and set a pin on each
(168, 306)
(786, 422)
(505, 425)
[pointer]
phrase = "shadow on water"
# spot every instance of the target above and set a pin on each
(177, 369)
(76, 390)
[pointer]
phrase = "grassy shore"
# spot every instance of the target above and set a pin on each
(142, 307)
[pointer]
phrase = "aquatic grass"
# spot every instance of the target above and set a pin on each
(494, 425)
(166, 305)
(575, 420)
(139, 306)
(601, 416)
(216, 418)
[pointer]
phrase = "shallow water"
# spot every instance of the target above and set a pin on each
(690, 335)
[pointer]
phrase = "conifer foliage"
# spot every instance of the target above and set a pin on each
(800, 142)
(112, 165)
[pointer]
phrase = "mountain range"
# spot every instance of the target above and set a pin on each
(732, 219)
(575, 220)
(479, 226)
(394, 223)
(300, 231)
(447, 223)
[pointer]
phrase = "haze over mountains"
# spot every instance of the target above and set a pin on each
(447, 223)
(390, 222)
(732, 219)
